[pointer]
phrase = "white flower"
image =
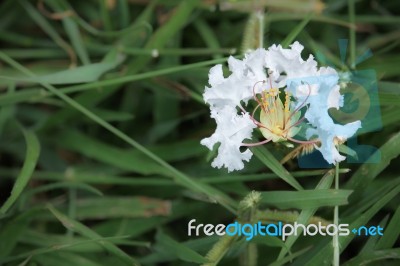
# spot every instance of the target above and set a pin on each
(265, 75)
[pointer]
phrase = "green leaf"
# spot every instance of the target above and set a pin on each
(11, 231)
(31, 158)
(369, 197)
(160, 38)
(114, 207)
(272, 163)
(112, 116)
(72, 31)
(348, 151)
(167, 244)
(120, 158)
(62, 258)
(89, 233)
(82, 74)
(368, 172)
(373, 256)
(47, 28)
(305, 199)
(296, 31)
(391, 233)
(76, 243)
(290, 257)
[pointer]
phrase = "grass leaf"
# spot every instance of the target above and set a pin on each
(87, 232)
(272, 163)
(31, 158)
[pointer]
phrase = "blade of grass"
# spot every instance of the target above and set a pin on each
(11, 231)
(392, 232)
(296, 31)
(208, 36)
(274, 17)
(167, 244)
(31, 158)
(73, 33)
(46, 27)
(160, 38)
(116, 207)
(105, 15)
(106, 242)
(368, 172)
(360, 205)
(290, 257)
(86, 231)
(305, 199)
(76, 244)
(58, 185)
(63, 258)
(101, 178)
(29, 95)
(352, 33)
(272, 163)
(92, 148)
(83, 74)
(8, 111)
(374, 256)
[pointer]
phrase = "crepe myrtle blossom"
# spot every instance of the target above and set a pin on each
(285, 97)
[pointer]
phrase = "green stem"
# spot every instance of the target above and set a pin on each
(260, 17)
(71, 208)
(352, 32)
(335, 243)
(105, 15)
(219, 249)
(274, 216)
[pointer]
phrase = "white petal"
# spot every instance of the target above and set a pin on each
(289, 61)
(216, 75)
(238, 86)
(232, 130)
(335, 99)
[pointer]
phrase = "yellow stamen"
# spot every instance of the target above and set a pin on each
(287, 101)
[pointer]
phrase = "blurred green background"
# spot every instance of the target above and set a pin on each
(101, 117)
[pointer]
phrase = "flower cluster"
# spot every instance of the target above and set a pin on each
(289, 97)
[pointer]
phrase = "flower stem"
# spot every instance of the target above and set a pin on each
(260, 17)
(352, 30)
(335, 243)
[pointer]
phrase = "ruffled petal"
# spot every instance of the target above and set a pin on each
(288, 62)
(216, 76)
(232, 130)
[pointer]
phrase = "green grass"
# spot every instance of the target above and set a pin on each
(101, 117)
